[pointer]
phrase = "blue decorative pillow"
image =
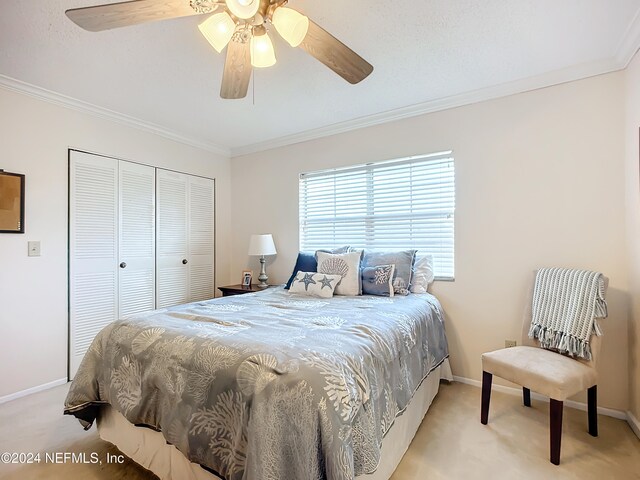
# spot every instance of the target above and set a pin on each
(378, 280)
(403, 260)
(307, 262)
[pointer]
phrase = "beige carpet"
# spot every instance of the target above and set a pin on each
(451, 443)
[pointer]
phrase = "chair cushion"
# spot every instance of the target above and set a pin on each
(542, 371)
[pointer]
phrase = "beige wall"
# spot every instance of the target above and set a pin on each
(540, 182)
(34, 138)
(633, 228)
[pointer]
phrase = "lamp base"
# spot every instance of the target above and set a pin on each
(263, 274)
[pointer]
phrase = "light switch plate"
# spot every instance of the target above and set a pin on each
(34, 249)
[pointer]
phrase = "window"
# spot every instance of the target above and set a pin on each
(407, 203)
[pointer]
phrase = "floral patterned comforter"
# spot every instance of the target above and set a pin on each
(269, 385)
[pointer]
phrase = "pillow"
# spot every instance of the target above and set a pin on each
(347, 265)
(403, 260)
(422, 274)
(378, 280)
(307, 262)
(315, 284)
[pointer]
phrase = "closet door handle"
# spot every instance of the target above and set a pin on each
(123, 265)
(185, 261)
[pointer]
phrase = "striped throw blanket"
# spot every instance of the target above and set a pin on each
(566, 304)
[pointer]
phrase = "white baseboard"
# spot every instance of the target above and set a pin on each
(609, 412)
(633, 423)
(29, 391)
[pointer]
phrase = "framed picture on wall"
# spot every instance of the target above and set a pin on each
(11, 202)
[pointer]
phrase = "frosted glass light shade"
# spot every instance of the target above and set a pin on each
(243, 8)
(262, 52)
(262, 245)
(218, 30)
(291, 25)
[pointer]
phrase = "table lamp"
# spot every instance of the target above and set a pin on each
(261, 245)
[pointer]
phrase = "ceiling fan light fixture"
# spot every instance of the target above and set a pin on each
(291, 25)
(243, 8)
(262, 53)
(218, 30)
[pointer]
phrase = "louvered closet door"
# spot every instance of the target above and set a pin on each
(201, 238)
(93, 243)
(172, 255)
(136, 261)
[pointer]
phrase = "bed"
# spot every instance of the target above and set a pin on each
(266, 386)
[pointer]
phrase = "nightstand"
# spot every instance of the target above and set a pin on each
(231, 290)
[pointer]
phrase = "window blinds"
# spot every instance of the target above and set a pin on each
(395, 205)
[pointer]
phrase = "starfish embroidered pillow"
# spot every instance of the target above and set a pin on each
(307, 262)
(315, 284)
(347, 265)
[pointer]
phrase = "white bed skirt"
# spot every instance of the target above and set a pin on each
(150, 449)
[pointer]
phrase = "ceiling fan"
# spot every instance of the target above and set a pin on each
(242, 26)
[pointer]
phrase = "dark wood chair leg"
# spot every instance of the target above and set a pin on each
(592, 407)
(555, 423)
(526, 396)
(486, 397)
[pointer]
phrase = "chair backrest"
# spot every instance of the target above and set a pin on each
(595, 341)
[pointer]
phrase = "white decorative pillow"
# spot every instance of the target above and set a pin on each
(347, 265)
(315, 284)
(422, 274)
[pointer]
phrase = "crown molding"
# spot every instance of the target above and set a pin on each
(556, 77)
(630, 42)
(626, 50)
(12, 84)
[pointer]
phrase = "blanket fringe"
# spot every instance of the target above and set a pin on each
(562, 342)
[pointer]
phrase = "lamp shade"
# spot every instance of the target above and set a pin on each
(262, 245)
(291, 25)
(262, 52)
(218, 30)
(243, 8)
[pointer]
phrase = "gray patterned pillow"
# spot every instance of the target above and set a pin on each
(347, 265)
(315, 284)
(403, 260)
(378, 280)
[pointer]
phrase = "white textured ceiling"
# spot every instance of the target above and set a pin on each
(423, 51)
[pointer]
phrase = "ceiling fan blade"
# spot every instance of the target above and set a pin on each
(124, 14)
(336, 55)
(237, 71)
